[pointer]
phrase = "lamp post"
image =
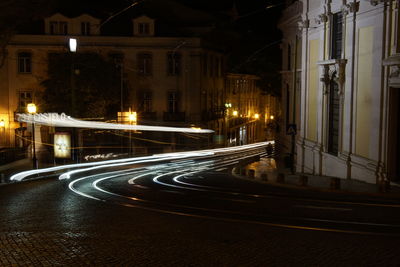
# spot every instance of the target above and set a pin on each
(132, 121)
(32, 110)
(73, 47)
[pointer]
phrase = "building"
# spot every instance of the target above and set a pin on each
(172, 80)
(291, 47)
(349, 88)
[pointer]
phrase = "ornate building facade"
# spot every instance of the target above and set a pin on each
(349, 89)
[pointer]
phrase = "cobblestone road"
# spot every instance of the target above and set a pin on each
(43, 224)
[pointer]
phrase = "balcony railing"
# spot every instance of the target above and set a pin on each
(174, 116)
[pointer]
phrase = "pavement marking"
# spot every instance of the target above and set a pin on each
(321, 208)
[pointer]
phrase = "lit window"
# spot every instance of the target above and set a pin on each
(24, 62)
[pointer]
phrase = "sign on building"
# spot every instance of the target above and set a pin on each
(291, 129)
(62, 145)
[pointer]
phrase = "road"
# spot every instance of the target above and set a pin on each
(189, 212)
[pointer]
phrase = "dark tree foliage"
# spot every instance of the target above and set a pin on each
(95, 81)
(16, 13)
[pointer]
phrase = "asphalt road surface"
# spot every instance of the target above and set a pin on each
(189, 212)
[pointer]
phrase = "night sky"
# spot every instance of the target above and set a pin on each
(248, 33)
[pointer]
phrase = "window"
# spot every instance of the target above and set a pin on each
(174, 63)
(147, 102)
(333, 119)
(117, 58)
(24, 98)
(144, 28)
(336, 36)
(58, 28)
(24, 62)
(85, 28)
(145, 64)
(289, 57)
(172, 102)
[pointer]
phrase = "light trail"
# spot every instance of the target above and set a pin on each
(63, 120)
(113, 163)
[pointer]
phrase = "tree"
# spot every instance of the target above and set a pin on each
(94, 80)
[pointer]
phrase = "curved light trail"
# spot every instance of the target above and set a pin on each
(121, 162)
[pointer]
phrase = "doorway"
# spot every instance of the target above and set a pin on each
(393, 144)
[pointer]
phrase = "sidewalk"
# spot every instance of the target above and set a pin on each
(270, 171)
(7, 170)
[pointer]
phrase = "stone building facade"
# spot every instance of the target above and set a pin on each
(348, 88)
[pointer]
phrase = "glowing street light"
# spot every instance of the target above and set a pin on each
(31, 108)
(235, 113)
(72, 45)
(256, 116)
(271, 117)
(133, 117)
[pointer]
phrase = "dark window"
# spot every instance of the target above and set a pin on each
(144, 28)
(172, 102)
(24, 62)
(289, 57)
(337, 37)
(145, 64)
(174, 63)
(333, 120)
(24, 98)
(147, 101)
(117, 58)
(58, 27)
(85, 28)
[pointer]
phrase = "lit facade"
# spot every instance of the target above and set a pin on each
(174, 81)
(348, 89)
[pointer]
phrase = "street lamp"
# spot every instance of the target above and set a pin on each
(132, 120)
(31, 108)
(72, 45)
(235, 113)
(256, 116)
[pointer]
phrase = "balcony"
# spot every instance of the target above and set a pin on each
(174, 116)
